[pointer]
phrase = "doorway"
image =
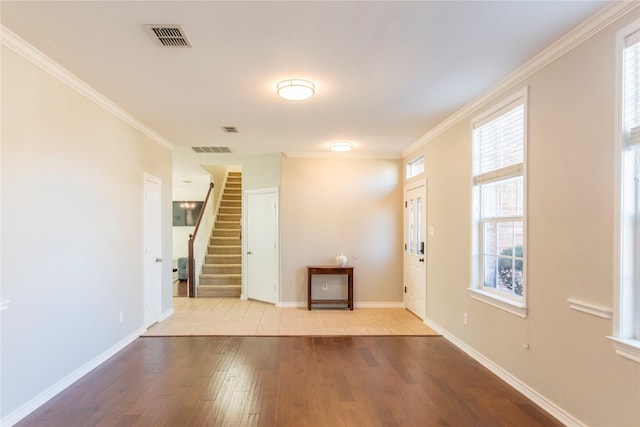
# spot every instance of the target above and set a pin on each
(152, 249)
(262, 257)
(415, 254)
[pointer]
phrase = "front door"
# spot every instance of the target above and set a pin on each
(152, 250)
(415, 277)
(262, 258)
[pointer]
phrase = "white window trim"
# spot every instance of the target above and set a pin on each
(627, 348)
(409, 167)
(624, 343)
(500, 300)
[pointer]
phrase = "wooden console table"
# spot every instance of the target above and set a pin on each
(330, 269)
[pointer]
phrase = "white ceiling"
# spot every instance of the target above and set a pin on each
(385, 72)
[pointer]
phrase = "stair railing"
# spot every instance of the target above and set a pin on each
(192, 245)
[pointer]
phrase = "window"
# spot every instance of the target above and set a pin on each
(415, 167)
(498, 155)
(627, 333)
(416, 242)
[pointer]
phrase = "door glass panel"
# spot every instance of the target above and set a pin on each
(418, 225)
(411, 227)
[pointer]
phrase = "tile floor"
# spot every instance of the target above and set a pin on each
(232, 316)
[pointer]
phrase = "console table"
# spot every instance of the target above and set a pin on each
(330, 269)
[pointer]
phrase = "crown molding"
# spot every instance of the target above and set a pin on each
(343, 155)
(39, 59)
(575, 37)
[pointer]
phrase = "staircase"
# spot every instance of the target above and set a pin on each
(222, 270)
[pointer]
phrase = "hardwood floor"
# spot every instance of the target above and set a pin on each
(290, 381)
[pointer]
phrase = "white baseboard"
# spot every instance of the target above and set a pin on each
(43, 397)
(166, 314)
(540, 400)
(356, 304)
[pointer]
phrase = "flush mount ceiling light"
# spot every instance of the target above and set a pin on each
(341, 146)
(296, 90)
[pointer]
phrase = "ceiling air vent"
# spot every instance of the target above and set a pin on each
(230, 129)
(211, 149)
(170, 35)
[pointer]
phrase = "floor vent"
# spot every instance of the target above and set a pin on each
(211, 149)
(170, 35)
(230, 129)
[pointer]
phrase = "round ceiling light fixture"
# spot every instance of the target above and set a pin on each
(296, 89)
(341, 146)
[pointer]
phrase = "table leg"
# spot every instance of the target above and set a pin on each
(350, 279)
(309, 290)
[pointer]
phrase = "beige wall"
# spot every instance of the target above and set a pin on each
(72, 230)
(218, 177)
(571, 119)
(334, 205)
(261, 172)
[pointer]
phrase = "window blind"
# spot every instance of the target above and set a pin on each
(631, 103)
(498, 146)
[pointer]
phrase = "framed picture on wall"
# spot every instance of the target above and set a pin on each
(186, 213)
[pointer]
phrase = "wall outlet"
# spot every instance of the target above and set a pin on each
(324, 286)
(121, 316)
(465, 319)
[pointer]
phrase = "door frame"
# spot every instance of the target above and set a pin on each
(405, 266)
(245, 236)
(156, 301)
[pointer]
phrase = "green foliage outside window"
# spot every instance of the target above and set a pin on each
(510, 270)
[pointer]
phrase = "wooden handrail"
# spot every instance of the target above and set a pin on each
(192, 262)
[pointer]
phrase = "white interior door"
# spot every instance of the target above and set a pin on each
(262, 245)
(152, 250)
(415, 273)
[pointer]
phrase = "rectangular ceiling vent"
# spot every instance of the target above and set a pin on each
(211, 149)
(170, 35)
(230, 129)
